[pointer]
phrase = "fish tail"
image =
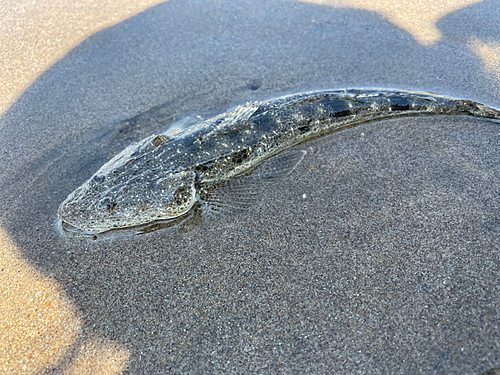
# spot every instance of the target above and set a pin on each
(480, 110)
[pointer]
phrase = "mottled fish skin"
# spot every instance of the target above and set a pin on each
(160, 178)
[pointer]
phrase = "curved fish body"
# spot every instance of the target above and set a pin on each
(160, 178)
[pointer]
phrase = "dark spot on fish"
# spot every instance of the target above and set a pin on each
(397, 107)
(158, 140)
(400, 103)
(239, 157)
(107, 205)
(304, 128)
(203, 167)
(336, 107)
(181, 196)
(343, 113)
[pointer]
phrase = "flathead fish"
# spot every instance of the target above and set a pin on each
(161, 177)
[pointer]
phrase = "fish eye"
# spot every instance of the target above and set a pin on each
(107, 205)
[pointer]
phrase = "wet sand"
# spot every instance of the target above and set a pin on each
(380, 253)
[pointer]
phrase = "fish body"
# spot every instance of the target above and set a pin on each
(160, 178)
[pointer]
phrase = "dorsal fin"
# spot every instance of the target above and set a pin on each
(233, 121)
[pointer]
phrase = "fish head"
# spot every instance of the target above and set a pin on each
(103, 204)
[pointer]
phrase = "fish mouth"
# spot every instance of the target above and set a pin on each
(67, 230)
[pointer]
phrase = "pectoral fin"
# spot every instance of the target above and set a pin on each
(241, 194)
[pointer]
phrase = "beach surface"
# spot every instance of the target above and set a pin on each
(380, 253)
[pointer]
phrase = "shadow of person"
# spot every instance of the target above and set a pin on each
(202, 300)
